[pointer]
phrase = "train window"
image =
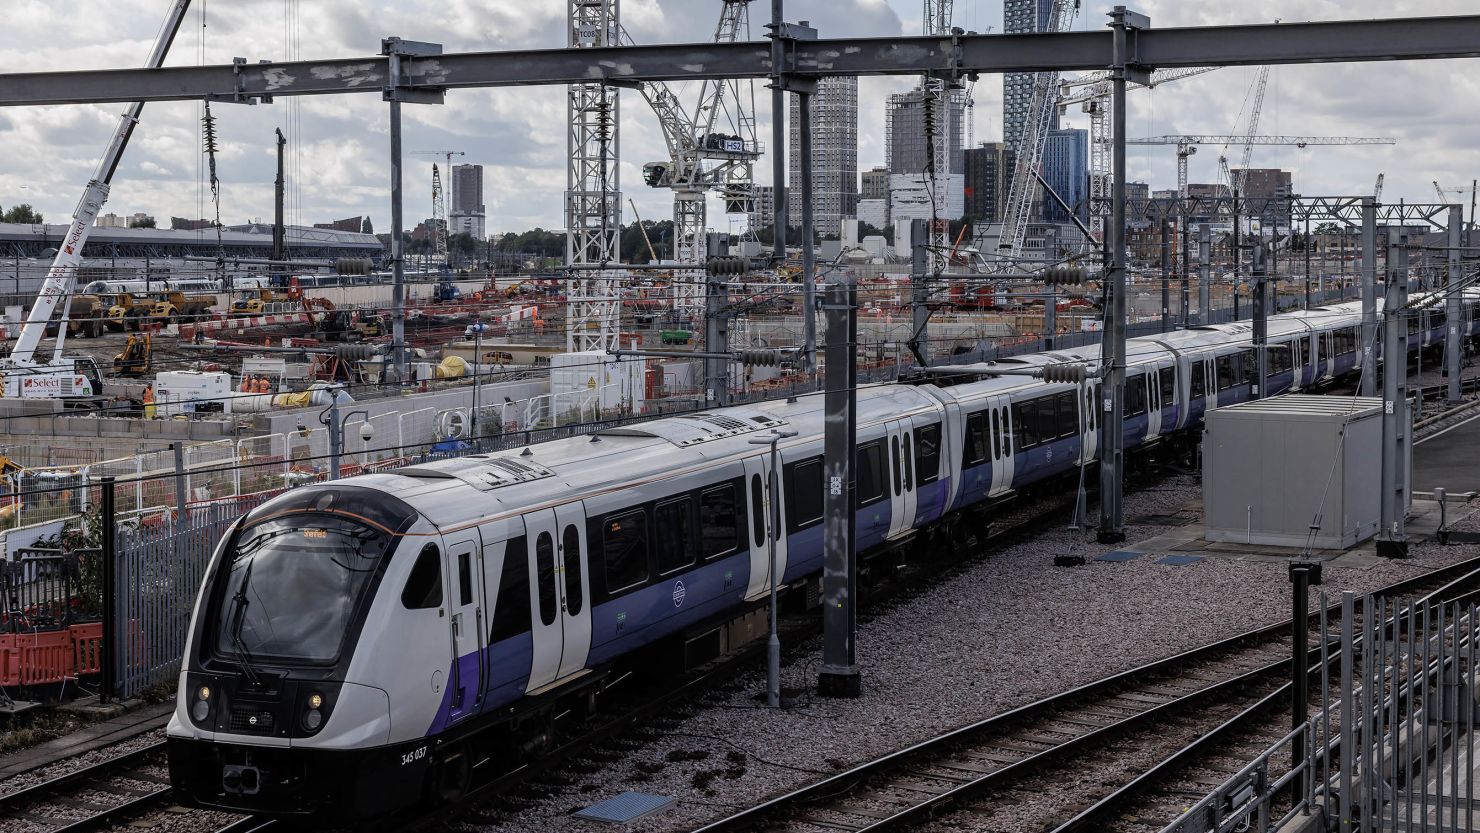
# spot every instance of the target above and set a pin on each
(996, 437)
(624, 550)
(1025, 424)
(1168, 379)
(511, 611)
(424, 586)
(1297, 352)
(570, 542)
(1280, 358)
(1068, 414)
(870, 475)
(927, 453)
(907, 451)
(758, 501)
(1250, 366)
(1089, 409)
(717, 527)
(803, 494)
(1226, 378)
(1135, 395)
(1198, 379)
(673, 535)
(544, 562)
(894, 463)
(1046, 411)
(1437, 318)
(1006, 437)
(1415, 323)
(464, 578)
(974, 450)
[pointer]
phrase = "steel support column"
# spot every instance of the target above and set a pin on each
(1368, 282)
(1166, 274)
(1112, 437)
(840, 675)
(1260, 286)
(1454, 307)
(717, 341)
(920, 291)
(398, 254)
(1392, 541)
(805, 101)
(1183, 228)
(1204, 273)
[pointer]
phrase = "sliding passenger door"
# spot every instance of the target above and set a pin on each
(761, 518)
(901, 476)
(574, 587)
(547, 626)
(465, 608)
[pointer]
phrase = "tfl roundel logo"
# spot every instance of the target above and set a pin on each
(678, 593)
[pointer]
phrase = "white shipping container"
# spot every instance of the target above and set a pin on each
(192, 392)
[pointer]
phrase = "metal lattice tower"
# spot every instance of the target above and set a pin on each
(1040, 112)
(439, 218)
(593, 196)
(938, 129)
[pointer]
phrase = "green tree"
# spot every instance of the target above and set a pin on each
(367, 227)
(22, 213)
(142, 222)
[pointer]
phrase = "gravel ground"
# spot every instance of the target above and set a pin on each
(29, 779)
(1008, 630)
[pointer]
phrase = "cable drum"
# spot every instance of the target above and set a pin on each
(452, 424)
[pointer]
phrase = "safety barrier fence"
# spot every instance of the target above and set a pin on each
(1391, 749)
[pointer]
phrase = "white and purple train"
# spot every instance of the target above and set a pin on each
(364, 644)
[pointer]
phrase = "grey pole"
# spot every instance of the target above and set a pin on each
(1368, 282)
(398, 271)
(920, 291)
(1204, 273)
(1166, 275)
(717, 341)
(1392, 541)
(180, 490)
(477, 382)
(840, 675)
(778, 135)
(1303, 574)
(1261, 319)
(335, 440)
(805, 101)
(773, 512)
(1112, 437)
(1348, 713)
(1453, 307)
(1307, 262)
(1183, 228)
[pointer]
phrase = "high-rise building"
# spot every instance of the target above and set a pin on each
(1267, 184)
(466, 213)
(875, 184)
(1066, 169)
(1021, 17)
(906, 148)
(834, 156)
(765, 204)
(988, 172)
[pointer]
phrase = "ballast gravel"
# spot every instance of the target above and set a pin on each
(1007, 630)
(25, 780)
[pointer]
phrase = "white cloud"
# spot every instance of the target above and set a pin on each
(338, 163)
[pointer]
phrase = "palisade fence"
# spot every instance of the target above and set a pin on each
(1392, 747)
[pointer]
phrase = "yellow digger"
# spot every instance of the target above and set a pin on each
(137, 356)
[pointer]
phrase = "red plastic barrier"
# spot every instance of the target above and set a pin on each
(87, 648)
(46, 657)
(10, 661)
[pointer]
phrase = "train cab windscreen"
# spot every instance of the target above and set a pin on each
(290, 588)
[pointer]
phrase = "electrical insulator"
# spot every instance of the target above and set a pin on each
(725, 266)
(760, 358)
(354, 352)
(1065, 275)
(1071, 373)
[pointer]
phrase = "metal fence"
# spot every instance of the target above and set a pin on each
(1392, 748)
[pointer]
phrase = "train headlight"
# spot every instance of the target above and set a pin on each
(200, 710)
(315, 700)
(313, 719)
(204, 692)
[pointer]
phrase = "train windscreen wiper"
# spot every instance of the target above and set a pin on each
(248, 662)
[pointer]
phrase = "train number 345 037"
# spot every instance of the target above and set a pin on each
(413, 756)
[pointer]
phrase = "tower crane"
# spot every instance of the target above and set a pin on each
(1235, 183)
(23, 376)
(1092, 92)
(1030, 148)
(1187, 146)
(441, 234)
(938, 109)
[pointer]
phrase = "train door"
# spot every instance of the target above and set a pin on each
(1088, 421)
(1154, 406)
(546, 627)
(1001, 444)
(465, 603)
(573, 585)
(901, 477)
(757, 472)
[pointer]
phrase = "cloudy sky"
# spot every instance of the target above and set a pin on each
(339, 144)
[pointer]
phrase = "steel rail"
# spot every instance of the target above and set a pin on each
(1042, 710)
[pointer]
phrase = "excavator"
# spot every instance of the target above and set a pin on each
(137, 356)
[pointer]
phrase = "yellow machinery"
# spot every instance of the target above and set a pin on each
(137, 356)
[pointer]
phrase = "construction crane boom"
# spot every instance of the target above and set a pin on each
(1030, 148)
(441, 236)
(63, 272)
(1187, 146)
(1235, 182)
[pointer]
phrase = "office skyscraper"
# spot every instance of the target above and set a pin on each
(466, 212)
(834, 156)
(1021, 17)
(1066, 169)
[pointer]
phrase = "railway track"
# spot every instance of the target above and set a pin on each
(95, 796)
(1231, 681)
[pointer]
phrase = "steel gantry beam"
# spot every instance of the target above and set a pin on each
(1394, 39)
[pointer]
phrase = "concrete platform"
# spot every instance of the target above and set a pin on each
(1449, 459)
